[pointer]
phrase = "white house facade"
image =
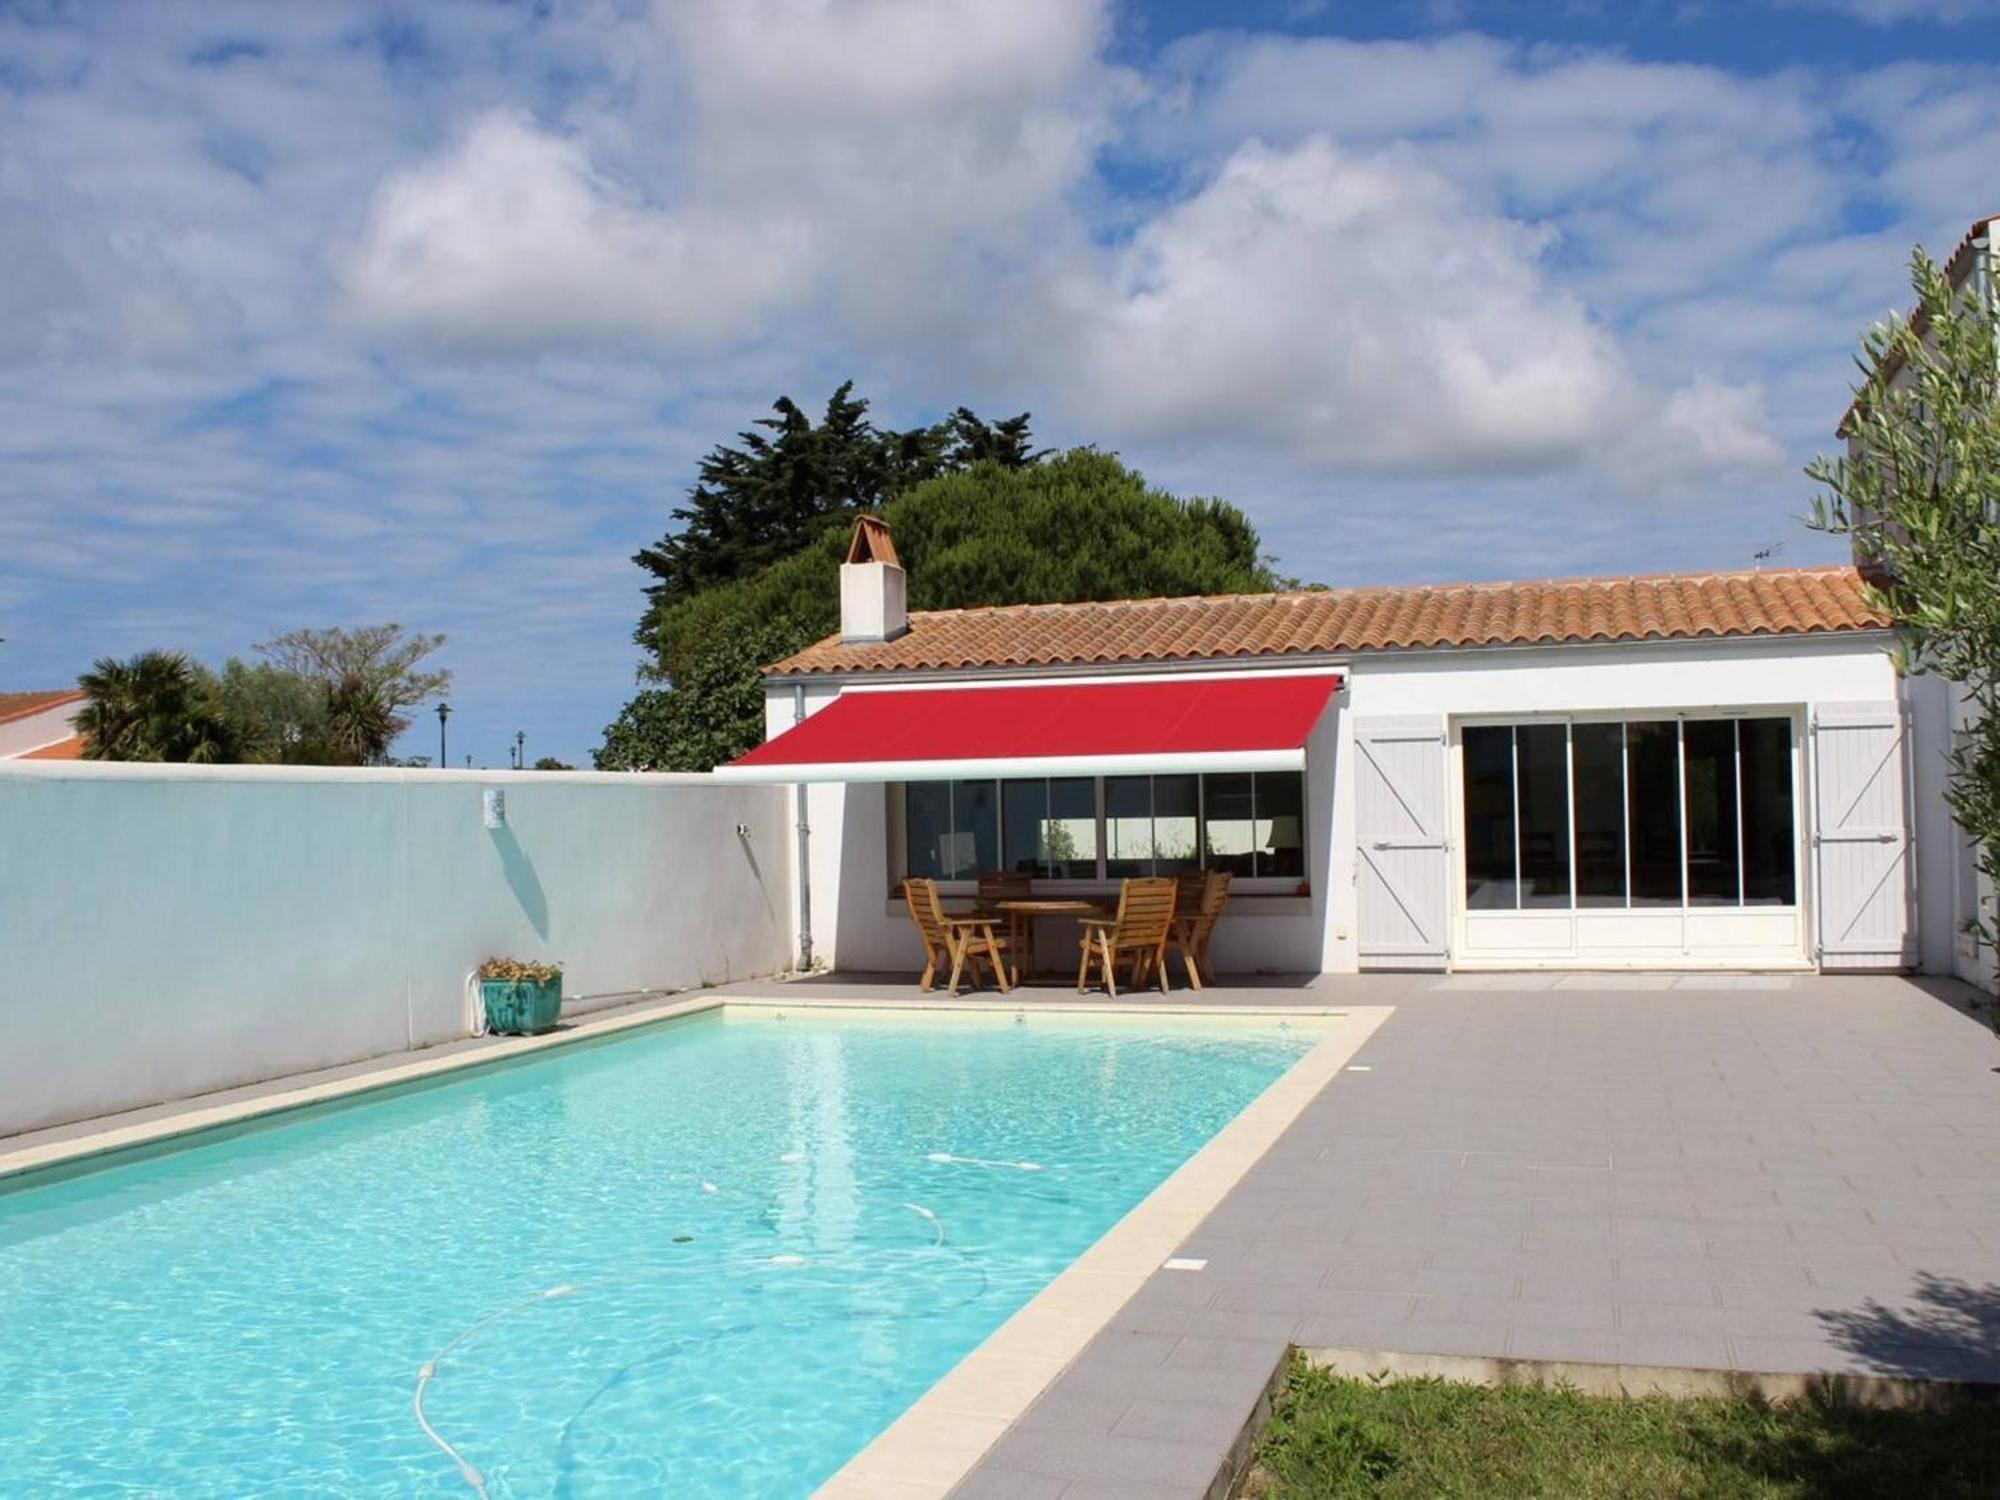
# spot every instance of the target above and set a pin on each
(1719, 771)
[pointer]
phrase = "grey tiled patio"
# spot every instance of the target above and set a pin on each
(1762, 1173)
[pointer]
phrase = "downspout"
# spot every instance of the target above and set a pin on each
(805, 846)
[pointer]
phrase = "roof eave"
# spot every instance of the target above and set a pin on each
(1295, 659)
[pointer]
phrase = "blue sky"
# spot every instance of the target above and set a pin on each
(347, 312)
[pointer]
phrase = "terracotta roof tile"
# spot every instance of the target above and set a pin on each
(1775, 601)
(20, 705)
(69, 749)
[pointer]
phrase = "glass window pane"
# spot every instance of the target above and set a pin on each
(1489, 816)
(1770, 839)
(1128, 826)
(1542, 797)
(1069, 838)
(1176, 829)
(927, 827)
(975, 831)
(1710, 758)
(1024, 815)
(1281, 824)
(1597, 753)
(1228, 826)
(1653, 803)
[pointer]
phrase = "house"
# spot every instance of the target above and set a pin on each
(1708, 771)
(39, 726)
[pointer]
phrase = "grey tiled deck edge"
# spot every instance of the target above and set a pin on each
(1877, 1392)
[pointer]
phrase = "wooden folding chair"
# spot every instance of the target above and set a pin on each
(1145, 915)
(1192, 929)
(963, 940)
(996, 886)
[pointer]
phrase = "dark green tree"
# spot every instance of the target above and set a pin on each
(972, 441)
(711, 713)
(790, 480)
(156, 706)
(1079, 526)
(365, 677)
(277, 717)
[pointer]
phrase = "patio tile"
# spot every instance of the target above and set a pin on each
(1008, 1484)
(1697, 1177)
(1124, 1460)
(1075, 1412)
(1183, 1421)
(1112, 1489)
(1199, 1353)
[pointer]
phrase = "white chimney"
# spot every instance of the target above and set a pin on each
(874, 592)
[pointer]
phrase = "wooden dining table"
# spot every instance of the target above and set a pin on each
(1021, 914)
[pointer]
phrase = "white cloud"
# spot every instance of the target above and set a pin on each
(310, 317)
(883, 161)
(1895, 12)
(512, 237)
(1355, 310)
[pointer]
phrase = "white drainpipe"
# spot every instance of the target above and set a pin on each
(805, 846)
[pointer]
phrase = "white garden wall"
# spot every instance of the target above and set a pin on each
(169, 930)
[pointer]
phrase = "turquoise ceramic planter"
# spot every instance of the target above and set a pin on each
(517, 1007)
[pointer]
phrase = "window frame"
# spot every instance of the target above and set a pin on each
(896, 797)
(1791, 714)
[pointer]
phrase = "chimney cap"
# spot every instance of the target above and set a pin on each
(870, 542)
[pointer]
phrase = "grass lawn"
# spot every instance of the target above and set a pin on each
(1333, 1437)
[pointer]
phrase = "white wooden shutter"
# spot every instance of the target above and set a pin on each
(1401, 872)
(1861, 837)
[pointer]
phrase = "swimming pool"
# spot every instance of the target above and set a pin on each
(708, 1258)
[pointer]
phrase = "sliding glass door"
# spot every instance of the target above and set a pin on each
(1630, 840)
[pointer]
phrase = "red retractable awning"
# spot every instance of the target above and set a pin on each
(1055, 729)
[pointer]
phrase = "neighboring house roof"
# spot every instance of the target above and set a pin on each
(1666, 606)
(20, 705)
(1957, 266)
(69, 749)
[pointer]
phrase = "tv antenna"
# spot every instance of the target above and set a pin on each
(1765, 553)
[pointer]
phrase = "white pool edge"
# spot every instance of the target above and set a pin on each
(940, 1437)
(75, 1143)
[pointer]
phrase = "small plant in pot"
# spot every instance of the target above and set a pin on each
(520, 996)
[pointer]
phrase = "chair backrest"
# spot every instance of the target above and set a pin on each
(996, 886)
(1214, 896)
(1145, 911)
(921, 896)
(1189, 889)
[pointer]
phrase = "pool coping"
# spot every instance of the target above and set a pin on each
(943, 1434)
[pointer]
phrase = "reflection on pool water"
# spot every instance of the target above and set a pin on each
(710, 1258)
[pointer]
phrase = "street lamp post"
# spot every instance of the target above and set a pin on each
(444, 712)
(520, 749)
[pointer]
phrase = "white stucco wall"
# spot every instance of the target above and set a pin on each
(855, 926)
(1793, 673)
(169, 930)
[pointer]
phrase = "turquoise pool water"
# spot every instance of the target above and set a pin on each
(710, 1258)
